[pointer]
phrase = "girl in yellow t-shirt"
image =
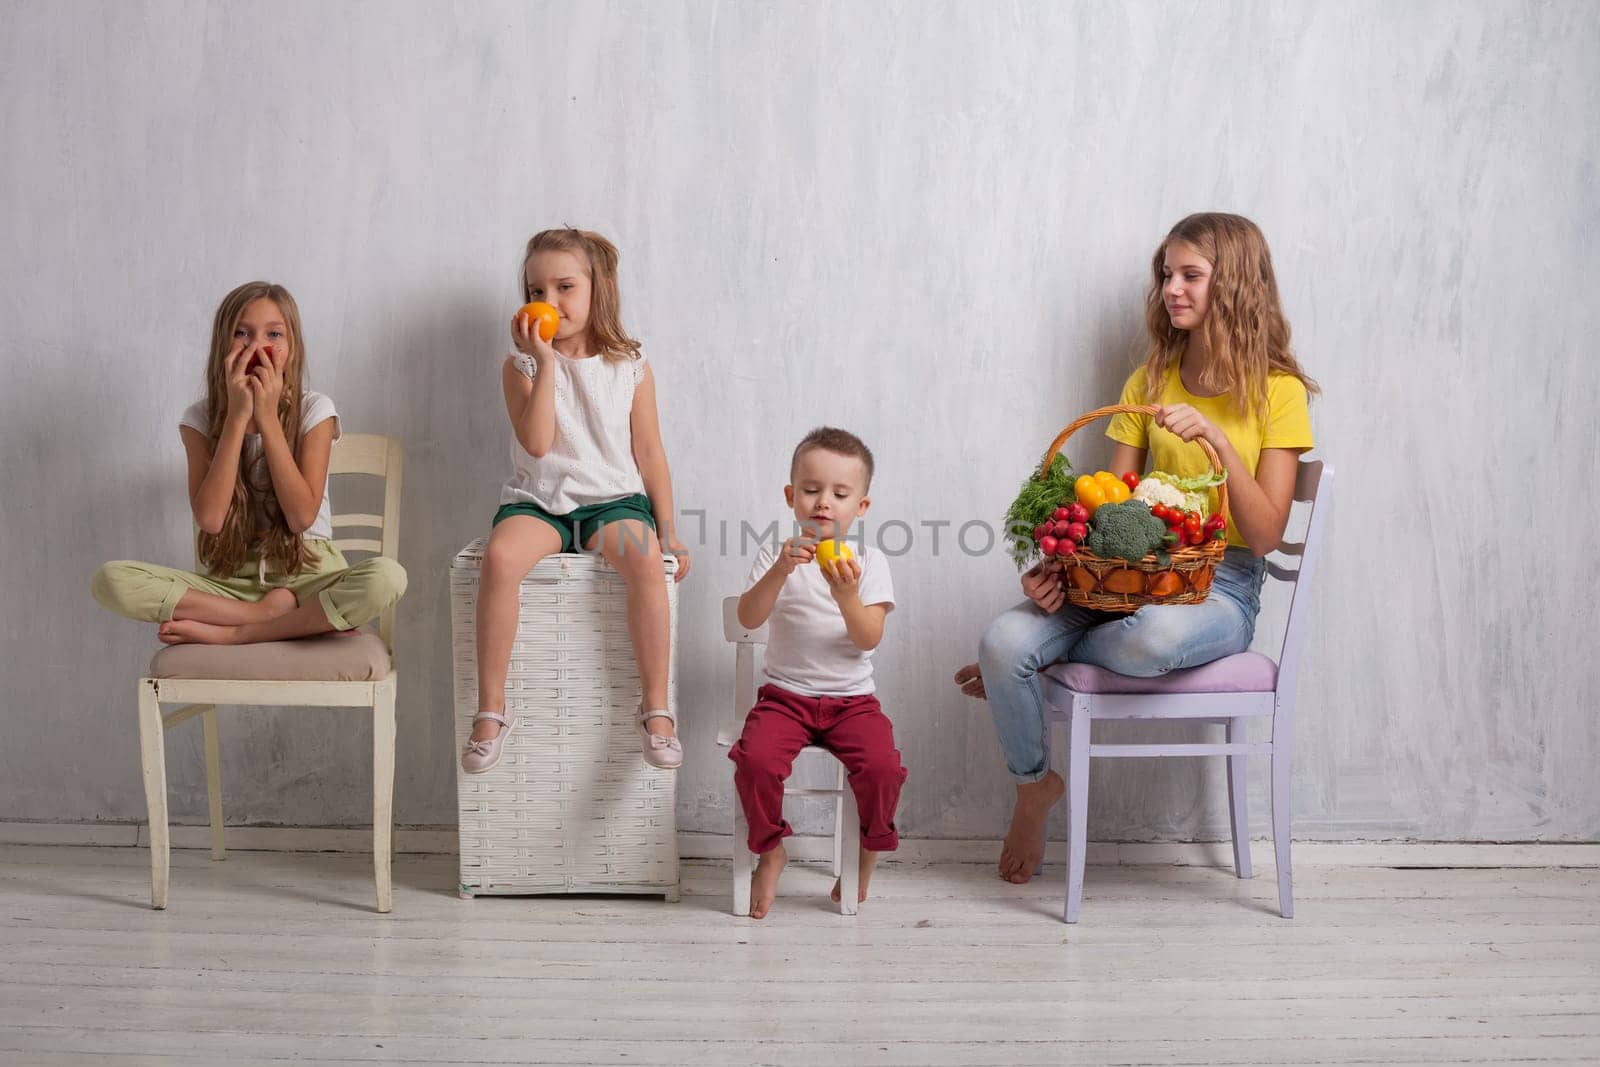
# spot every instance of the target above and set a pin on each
(1219, 367)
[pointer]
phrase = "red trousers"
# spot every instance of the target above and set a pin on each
(855, 729)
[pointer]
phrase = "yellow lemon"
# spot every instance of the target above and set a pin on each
(832, 551)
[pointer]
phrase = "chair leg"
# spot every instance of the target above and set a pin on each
(383, 733)
(850, 866)
(1280, 820)
(208, 727)
(840, 784)
(742, 865)
(1078, 808)
(153, 763)
(1239, 799)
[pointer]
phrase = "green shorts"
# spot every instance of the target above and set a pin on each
(572, 526)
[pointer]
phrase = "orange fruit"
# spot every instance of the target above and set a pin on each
(832, 551)
(546, 318)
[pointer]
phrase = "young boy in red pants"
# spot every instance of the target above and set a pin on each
(824, 619)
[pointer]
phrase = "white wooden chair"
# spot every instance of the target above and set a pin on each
(370, 454)
(846, 822)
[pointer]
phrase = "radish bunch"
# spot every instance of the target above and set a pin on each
(1061, 534)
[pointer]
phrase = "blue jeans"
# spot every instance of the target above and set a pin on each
(1149, 642)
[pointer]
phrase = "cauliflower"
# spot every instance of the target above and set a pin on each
(1153, 491)
(1187, 494)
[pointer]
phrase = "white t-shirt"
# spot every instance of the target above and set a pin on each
(314, 409)
(809, 651)
(591, 459)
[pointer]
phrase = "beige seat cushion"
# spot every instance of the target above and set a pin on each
(357, 658)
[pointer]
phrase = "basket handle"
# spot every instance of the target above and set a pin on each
(1133, 409)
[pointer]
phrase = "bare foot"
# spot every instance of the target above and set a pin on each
(188, 631)
(1024, 843)
(869, 860)
(764, 882)
(970, 679)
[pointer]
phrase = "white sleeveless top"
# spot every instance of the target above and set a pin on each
(591, 459)
(314, 409)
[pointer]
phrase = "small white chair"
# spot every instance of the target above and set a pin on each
(846, 822)
(370, 454)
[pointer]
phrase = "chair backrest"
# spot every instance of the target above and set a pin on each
(744, 678)
(381, 457)
(1313, 486)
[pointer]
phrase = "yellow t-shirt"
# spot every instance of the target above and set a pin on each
(1286, 424)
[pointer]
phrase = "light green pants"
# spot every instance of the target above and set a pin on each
(349, 595)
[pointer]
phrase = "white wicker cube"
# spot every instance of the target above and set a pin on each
(572, 807)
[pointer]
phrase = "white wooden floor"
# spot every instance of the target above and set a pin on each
(278, 956)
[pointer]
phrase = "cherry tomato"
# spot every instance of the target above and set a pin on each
(1161, 511)
(1131, 480)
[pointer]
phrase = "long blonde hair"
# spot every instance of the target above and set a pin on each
(606, 335)
(1246, 334)
(225, 551)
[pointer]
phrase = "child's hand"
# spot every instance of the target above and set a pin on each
(525, 337)
(843, 576)
(240, 404)
(794, 552)
(266, 383)
(676, 548)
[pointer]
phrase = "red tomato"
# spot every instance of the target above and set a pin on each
(1161, 511)
(1191, 523)
(1131, 480)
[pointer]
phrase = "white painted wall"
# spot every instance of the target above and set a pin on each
(926, 222)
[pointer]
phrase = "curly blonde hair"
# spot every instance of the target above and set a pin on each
(606, 335)
(1245, 330)
(254, 500)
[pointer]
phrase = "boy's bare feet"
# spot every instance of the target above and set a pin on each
(970, 679)
(764, 882)
(869, 860)
(1024, 843)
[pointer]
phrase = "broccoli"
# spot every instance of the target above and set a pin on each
(1125, 531)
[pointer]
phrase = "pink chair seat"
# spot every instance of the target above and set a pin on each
(1246, 672)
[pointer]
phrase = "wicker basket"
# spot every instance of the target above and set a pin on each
(1115, 584)
(571, 807)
